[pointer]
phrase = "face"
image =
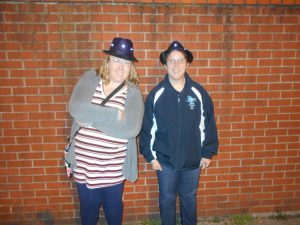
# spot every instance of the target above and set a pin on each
(176, 65)
(119, 69)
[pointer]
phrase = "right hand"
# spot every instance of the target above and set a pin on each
(121, 114)
(156, 165)
(69, 170)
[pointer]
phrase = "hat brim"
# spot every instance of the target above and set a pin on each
(164, 55)
(119, 55)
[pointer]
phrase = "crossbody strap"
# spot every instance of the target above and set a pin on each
(113, 92)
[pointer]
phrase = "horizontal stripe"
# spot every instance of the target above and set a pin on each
(94, 133)
(99, 162)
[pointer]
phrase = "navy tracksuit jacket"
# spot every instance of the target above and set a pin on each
(179, 127)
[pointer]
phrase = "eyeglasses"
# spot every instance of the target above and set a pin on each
(119, 61)
(178, 61)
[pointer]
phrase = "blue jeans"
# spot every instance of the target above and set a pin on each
(183, 183)
(109, 197)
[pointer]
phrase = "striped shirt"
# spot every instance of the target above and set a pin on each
(100, 157)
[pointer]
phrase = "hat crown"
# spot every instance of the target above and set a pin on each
(176, 45)
(122, 45)
(122, 48)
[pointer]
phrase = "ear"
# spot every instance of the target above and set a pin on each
(187, 65)
(165, 66)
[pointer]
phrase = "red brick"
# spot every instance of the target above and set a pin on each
(251, 72)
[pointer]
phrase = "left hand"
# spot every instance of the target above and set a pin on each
(205, 163)
(81, 124)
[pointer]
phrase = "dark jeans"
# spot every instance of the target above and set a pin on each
(185, 184)
(109, 197)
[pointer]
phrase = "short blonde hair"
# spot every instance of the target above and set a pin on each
(103, 72)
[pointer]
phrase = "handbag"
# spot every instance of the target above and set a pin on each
(70, 140)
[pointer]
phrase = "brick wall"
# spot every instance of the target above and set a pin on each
(247, 56)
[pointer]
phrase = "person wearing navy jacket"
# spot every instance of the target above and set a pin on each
(179, 135)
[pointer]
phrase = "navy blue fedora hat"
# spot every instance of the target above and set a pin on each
(175, 45)
(121, 48)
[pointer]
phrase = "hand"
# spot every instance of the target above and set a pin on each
(121, 114)
(205, 163)
(81, 124)
(156, 165)
(69, 170)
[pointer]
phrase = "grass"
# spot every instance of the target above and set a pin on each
(155, 222)
(241, 219)
(217, 219)
(150, 222)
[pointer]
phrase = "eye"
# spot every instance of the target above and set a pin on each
(178, 61)
(116, 60)
(127, 62)
(181, 61)
(171, 61)
(120, 61)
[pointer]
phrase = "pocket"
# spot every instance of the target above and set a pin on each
(161, 143)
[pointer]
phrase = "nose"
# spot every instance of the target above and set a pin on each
(176, 64)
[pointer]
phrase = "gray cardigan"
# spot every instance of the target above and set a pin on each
(105, 119)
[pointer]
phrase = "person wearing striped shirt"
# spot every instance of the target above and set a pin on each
(178, 135)
(105, 148)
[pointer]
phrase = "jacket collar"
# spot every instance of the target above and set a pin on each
(169, 85)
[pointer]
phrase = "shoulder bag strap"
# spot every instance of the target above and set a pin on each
(113, 93)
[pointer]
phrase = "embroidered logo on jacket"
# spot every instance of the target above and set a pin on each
(191, 101)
